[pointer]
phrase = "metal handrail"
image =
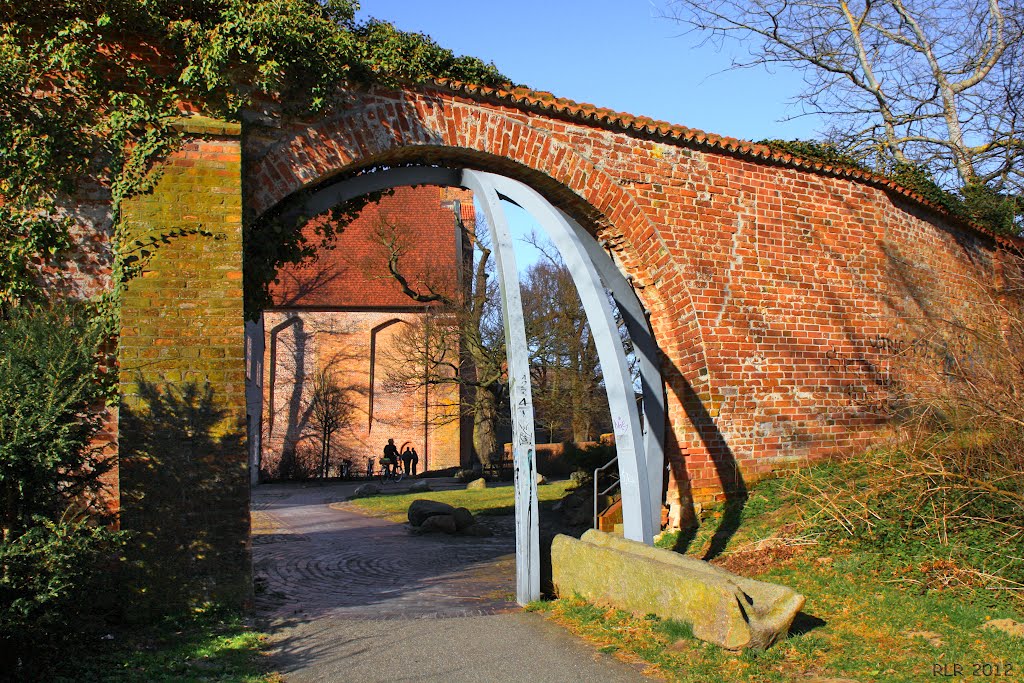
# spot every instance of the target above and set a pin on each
(615, 483)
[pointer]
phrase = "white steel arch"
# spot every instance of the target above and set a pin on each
(640, 451)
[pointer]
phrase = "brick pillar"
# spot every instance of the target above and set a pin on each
(183, 466)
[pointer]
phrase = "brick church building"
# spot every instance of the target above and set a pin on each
(344, 315)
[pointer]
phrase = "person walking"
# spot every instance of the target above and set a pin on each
(414, 459)
(406, 460)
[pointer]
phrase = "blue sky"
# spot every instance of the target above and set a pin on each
(614, 54)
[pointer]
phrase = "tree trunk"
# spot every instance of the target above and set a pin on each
(325, 454)
(485, 420)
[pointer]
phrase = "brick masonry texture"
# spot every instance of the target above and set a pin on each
(777, 292)
(354, 346)
(183, 468)
(341, 312)
(353, 273)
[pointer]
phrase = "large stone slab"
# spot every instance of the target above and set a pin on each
(730, 611)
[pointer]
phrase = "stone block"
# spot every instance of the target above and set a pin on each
(443, 523)
(421, 509)
(730, 611)
(419, 486)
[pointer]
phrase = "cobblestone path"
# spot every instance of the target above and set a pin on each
(313, 559)
(352, 598)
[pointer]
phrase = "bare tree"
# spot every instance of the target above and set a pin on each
(568, 395)
(460, 340)
(329, 411)
(936, 82)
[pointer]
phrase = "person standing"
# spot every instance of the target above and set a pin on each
(406, 460)
(414, 459)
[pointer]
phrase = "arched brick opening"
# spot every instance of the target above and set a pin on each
(375, 382)
(778, 287)
(759, 270)
(296, 166)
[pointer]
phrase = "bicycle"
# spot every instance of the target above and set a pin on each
(390, 472)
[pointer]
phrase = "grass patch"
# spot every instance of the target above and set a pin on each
(672, 629)
(208, 645)
(879, 608)
(497, 500)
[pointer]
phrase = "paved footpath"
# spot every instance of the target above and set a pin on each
(352, 598)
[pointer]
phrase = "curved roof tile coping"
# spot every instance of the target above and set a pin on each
(547, 103)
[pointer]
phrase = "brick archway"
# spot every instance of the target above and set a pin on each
(396, 128)
(778, 287)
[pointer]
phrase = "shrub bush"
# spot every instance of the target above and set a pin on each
(589, 457)
(54, 550)
(51, 403)
(56, 589)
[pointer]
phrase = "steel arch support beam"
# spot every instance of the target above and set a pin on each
(524, 445)
(636, 491)
(646, 349)
(645, 460)
(341, 191)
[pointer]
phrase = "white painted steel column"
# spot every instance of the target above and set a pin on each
(524, 445)
(629, 445)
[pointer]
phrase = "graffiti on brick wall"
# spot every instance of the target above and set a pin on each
(869, 375)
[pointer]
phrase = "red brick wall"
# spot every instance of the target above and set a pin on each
(342, 311)
(778, 294)
(183, 466)
(354, 346)
(776, 291)
(353, 271)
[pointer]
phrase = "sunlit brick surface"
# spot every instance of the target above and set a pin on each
(778, 291)
(344, 312)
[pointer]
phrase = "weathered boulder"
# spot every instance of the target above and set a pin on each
(366, 490)
(477, 484)
(419, 486)
(730, 611)
(421, 510)
(442, 523)
(468, 474)
(577, 508)
(463, 518)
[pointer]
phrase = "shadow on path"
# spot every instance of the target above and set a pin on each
(310, 560)
(347, 597)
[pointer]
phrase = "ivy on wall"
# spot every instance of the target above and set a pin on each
(89, 91)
